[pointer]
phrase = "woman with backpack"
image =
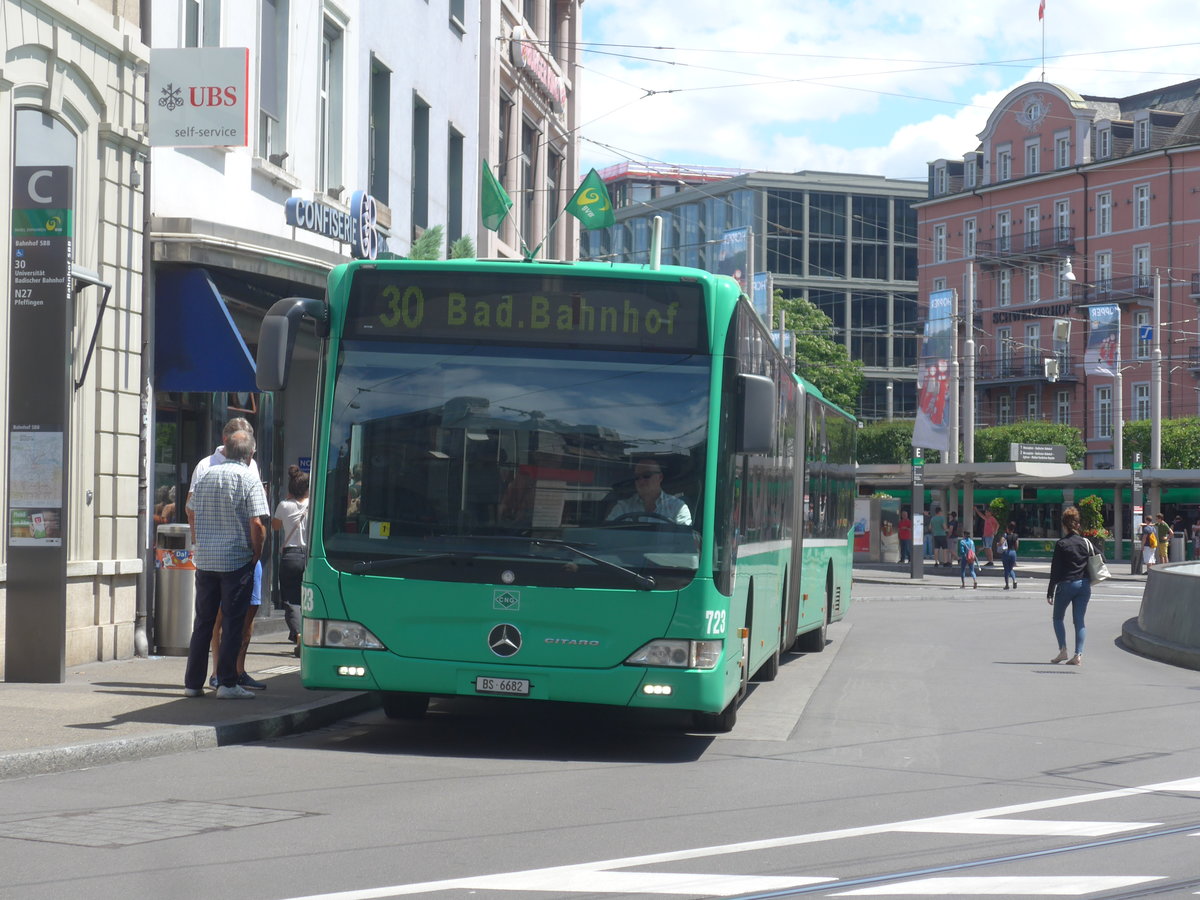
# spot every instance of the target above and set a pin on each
(967, 561)
(1007, 545)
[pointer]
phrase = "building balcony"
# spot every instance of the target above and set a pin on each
(1126, 289)
(1043, 243)
(992, 371)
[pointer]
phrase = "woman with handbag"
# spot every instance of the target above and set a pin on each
(1070, 585)
(292, 514)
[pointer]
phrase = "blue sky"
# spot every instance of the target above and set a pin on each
(866, 86)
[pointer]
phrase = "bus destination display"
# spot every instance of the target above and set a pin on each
(588, 312)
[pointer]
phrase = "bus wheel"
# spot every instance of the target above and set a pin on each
(770, 669)
(716, 723)
(812, 641)
(405, 706)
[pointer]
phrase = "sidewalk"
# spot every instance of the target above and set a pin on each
(134, 708)
(129, 709)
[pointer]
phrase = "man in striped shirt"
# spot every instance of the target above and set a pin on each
(227, 505)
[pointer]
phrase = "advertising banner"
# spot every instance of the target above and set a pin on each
(734, 256)
(1103, 346)
(199, 97)
(933, 375)
(760, 295)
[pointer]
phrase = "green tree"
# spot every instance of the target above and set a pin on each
(820, 357)
(887, 443)
(991, 444)
(463, 248)
(1180, 442)
(428, 245)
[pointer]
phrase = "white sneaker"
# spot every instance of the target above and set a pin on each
(234, 692)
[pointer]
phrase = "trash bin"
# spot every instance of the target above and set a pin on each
(1178, 549)
(174, 590)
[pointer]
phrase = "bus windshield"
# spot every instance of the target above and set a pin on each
(516, 464)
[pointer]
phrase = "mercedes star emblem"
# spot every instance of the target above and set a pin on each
(504, 640)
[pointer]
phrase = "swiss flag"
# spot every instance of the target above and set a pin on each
(1042, 9)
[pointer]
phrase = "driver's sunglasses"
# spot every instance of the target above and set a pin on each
(642, 476)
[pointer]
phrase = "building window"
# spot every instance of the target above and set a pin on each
(1141, 206)
(1004, 410)
(1032, 413)
(939, 243)
(939, 284)
(529, 149)
(969, 238)
(1032, 235)
(1033, 349)
(1062, 151)
(1104, 272)
(1141, 134)
(1004, 232)
(939, 180)
(420, 164)
(1141, 402)
(1033, 150)
(454, 187)
(1062, 221)
(1004, 287)
(1141, 266)
(1104, 412)
(1141, 347)
(329, 116)
(202, 23)
(1104, 143)
(971, 172)
(1033, 277)
(1062, 408)
(1003, 164)
(458, 15)
(554, 167)
(1062, 286)
(1004, 352)
(1104, 213)
(272, 80)
(529, 11)
(379, 132)
(504, 129)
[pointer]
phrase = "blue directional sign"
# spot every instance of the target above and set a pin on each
(1145, 332)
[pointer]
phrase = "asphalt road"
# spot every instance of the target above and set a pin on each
(930, 750)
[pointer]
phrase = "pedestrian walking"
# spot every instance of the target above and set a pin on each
(1009, 542)
(226, 507)
(1069, 585)
(1149, 544)
(904, 530)
(941, 548)
(968, 562)
(990, 527)
(291, 517)
(1162, 531)
(927, 535)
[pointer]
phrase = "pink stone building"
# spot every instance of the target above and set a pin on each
(1103, 188)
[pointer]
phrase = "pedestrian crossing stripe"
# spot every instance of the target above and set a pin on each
(1003, 886)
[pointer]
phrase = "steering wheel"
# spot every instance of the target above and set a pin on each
(635, 516)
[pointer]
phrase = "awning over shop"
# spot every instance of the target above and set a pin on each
(197, 347)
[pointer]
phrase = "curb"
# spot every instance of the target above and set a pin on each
(295, 720)
(1145, 644)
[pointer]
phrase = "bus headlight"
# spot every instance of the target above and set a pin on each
(677, 654)
(336, 633)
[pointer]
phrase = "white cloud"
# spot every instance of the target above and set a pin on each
(846, 85)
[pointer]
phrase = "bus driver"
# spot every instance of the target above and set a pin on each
(650, 499)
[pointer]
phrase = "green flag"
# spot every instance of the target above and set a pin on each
(591, 205)
(494, 202)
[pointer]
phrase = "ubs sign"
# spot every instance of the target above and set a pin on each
(357, 228)
(198, 97)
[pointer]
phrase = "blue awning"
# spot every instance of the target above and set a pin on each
(196, 345)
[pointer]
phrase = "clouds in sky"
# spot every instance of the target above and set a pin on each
(867, 86)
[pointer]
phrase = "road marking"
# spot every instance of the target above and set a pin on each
(600, 882)
(580, 872)
(1004, 886)
(1027, 827)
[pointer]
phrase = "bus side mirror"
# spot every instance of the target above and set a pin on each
(277, 338)
(756, 425)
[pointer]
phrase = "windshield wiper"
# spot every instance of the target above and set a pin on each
(643, 581)
(396, 562)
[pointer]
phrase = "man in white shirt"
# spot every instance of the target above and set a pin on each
(217, 458)
(650, 500)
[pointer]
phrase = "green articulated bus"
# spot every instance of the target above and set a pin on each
(573, 482)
